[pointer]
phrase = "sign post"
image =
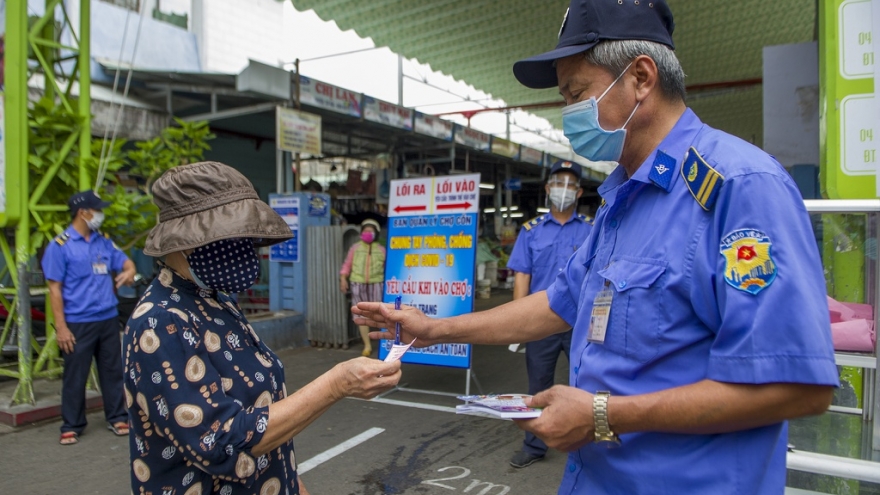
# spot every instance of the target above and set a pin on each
(432, 244)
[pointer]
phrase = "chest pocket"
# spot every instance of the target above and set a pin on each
(634, 325)
(79, 264)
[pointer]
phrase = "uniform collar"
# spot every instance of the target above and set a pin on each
(662, 166)
(74, 234)
(551, 218)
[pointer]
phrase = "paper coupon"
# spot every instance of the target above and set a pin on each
(397, 351)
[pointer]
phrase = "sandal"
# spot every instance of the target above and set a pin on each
(119, 429)
(68, 438)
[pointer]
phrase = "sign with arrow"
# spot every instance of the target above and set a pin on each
(432, 244)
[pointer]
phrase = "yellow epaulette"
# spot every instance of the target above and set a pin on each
(701, 179)
(62, 238)
(583, 218)
(535, 221)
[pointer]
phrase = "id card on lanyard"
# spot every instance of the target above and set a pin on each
(600, 315)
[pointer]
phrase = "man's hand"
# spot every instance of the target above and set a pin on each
(566, 421)
(124, 278)
(65, 339)
(413, 323)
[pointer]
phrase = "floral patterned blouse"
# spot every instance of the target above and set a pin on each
(198, 383)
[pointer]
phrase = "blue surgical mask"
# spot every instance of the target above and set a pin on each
(580, 123)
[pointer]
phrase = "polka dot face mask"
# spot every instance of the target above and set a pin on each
(228, 265)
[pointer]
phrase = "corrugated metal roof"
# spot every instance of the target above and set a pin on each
(478, 41)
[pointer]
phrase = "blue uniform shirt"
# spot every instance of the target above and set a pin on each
(716, 275)
(544, 246)
(76, 263)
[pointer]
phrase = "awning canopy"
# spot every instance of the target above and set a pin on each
(717, 41)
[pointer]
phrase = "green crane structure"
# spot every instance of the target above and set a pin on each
(37, 39)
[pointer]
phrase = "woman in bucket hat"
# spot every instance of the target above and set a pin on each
(207, 400)
(364, 266)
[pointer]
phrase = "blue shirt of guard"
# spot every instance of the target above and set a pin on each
(544, 246)
(86, 288)
(715, 274)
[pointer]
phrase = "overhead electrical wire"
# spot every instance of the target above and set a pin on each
(107, 151)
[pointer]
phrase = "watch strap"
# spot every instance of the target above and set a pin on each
(602, 427)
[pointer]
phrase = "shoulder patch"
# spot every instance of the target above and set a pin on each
(749, 265)
(583, 218)
(62, 238)
(702, 180)
(538, 220)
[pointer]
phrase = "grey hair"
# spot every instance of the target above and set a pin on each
(615, 55)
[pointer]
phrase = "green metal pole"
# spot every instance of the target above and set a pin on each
(16, 16)
(85, 98)
(15, 110)
(17, 175)
(48, 33)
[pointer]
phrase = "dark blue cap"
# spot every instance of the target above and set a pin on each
(86, 199)
(567, 166)
(587, 22)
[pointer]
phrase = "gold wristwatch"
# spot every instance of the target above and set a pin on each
(603, 432)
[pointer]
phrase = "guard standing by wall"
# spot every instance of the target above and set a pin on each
(79, 265)
(542, 248)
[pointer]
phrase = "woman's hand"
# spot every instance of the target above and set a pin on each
(365, 378)
(343, 285)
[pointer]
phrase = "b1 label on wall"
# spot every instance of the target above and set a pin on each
(849, 111)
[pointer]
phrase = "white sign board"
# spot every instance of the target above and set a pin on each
(297, 132)
(435, 195)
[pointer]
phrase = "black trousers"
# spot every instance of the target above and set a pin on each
(98, 339)
(541, 357)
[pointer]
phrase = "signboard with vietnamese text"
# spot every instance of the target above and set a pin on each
(430, 125)
(288, 208)
(329, 97)
(531, 155)
(297, 132)
(432, 244)
(471, 137)
(388, 113)
(505, 147)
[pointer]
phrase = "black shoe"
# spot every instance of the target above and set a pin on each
(522, 459)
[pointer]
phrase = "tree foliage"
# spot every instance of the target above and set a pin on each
(54, 130)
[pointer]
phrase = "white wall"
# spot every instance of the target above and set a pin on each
(232, 31)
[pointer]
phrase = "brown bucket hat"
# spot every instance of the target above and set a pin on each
(205, 202)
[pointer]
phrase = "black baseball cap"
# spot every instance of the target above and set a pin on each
(567, 166)
(86, 199)
(587, 22)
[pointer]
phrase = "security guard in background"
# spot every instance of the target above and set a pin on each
(542, 248)
(79, 265)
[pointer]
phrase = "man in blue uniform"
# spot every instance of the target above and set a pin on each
(80, 265)
(542, 248)
(697, 301)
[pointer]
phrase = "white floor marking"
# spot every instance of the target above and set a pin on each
(416, 405)
(328, 454)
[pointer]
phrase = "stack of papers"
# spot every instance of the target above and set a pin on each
(507, 406)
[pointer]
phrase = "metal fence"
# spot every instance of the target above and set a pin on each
(328, 319)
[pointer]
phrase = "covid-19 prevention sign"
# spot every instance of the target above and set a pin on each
(431, 255)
